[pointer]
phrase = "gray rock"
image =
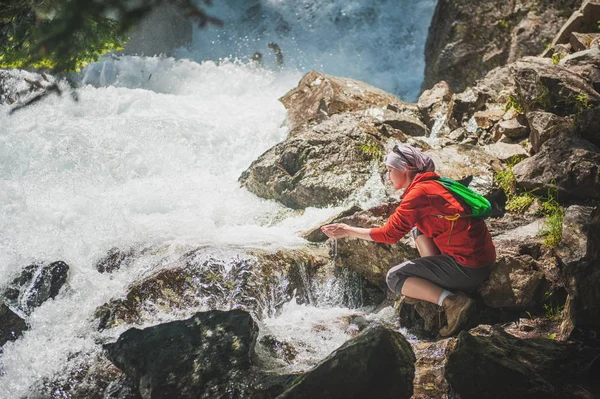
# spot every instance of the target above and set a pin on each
(319, 96)
(318, 165)
(579, 255)
(569, 165)
(512, 128)
(505, 152)
(546, 125)
(378, 363)
(585, 19)
(503, 366)
(36, 284)
(205, 356)
(11, 325)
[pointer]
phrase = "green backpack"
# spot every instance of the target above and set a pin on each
(480, 206)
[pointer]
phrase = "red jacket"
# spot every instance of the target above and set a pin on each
(469, 242)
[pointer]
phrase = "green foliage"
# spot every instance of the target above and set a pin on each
(512, 102)
(553, 312)
(556, 57)
(506, 178)
(550, 336)
(582, 103)
(520, 202)
(552, 229)
(504, 24)
(63, 35)
(371, 150)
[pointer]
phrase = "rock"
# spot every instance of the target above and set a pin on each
(279, 349)
(505, 152)
(319, 96)
(566, 164)
(318, 166)
(430, 381)
(586, 63)
(582, 41)
(464, 105)
(114, 260)
(378, 363)
(583, 20)
(468, 39)
(434, 103)
(11, 325)
(579, 255)
(514, 283)
(207, 355)
(406, 122)
(316, 235)
(259, 283)
(588, 125)
(545, 125)
(553, 88)
(503, 366)
(512, 128)
(36, 284)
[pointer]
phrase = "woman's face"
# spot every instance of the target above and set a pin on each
(398, 178)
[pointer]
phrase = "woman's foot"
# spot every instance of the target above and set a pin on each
(458, 309)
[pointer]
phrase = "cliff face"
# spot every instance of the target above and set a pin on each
(468, 38)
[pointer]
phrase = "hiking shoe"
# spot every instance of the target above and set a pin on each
(458, 309)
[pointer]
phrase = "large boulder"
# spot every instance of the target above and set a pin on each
(579, 256)
(257, 282)
(585, 63)
(544, 126)
(467, 39)
(503, 366)
(378, 363)
(11, 325)
(587, 125)
(206, 356)
(36, 284)
(319, 166)
(583, 20)
(566, 164)
(319, 96)
(541, 85)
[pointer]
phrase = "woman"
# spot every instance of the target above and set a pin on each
(456, 252)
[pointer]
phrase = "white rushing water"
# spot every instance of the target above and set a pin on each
(150, 156)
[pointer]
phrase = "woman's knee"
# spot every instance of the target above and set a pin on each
(395, 277)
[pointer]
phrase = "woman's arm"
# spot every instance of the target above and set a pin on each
(341, 230)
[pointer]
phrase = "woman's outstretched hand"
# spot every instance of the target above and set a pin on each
(336, 230)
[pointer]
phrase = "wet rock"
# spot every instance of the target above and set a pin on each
(503, 366)
(423, 319)
(579, 255)
(468, 39)
(378, 363)
(567, 164)
(552, 88)
(319, 96)
(207, 355)
(430, 381)
(36, 284)
(545, 125)
(320, 165)
(259, 283)
(279, 349)
(11, 325)
(114, 260)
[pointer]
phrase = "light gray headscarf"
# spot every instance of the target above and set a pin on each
(411, 160)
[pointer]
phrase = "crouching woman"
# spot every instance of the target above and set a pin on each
(456, 250)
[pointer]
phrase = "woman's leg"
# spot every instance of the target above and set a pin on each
(426, 246)
(419, 288)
